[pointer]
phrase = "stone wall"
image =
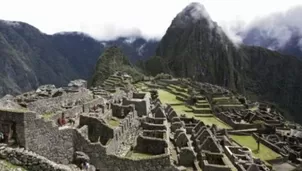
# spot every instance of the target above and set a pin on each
(52, 105)
(97, 153)
(59, 144)
(268, 144)
(157, 163)
(138, 95)
(149, 126)
(46, 139)
(97, 130)
(155, 120)
(30, 161)
(142, 106)
(150, 145)
(234, 125)
(90, 104)
(121, 132)
(73, 112)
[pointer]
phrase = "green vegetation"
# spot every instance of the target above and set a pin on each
(137, 155)
(21, 110)
(9, 166)
(47, 115)
(114, 122)
(113, 60)
(264, 153)
(221, 98)
(209, 119)
(213, 120)
(167, 97)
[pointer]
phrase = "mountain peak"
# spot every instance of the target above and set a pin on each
(10, 23)
(196, 11)
(191, 14)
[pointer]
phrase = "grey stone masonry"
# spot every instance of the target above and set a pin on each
(31, 161)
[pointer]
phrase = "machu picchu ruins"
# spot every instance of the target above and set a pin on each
(159, 124)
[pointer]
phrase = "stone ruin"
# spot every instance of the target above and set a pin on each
(127, 130)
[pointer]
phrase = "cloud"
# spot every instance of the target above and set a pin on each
(279, 26)
(109, 19)
(232, 28)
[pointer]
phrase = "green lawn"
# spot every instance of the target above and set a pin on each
(21, 110)
(220, 98)
(213, 120)
(200, 108)
(182, 109)
(167, 97)
(137, 155)
(114, 122)
(230, 105)
(47, 115)
(202, 102)
(265, 153)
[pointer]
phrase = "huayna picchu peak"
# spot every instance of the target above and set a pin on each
(192, 101)
(193, 13)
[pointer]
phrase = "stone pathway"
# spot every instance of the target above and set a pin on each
(283, 166)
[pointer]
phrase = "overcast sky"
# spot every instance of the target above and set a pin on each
(106, 19)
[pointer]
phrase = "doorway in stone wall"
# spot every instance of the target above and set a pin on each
(8, 133)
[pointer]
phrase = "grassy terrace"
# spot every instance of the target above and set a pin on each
(209, 119)
(221, 98)
(168, 98)
(114, 122)
(47, 115)
(202, 102)
(264, 153)
(21, 110)
(137, 155)
(213, 120)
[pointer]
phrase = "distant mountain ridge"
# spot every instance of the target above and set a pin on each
(281, 31)
(257, 37)
(30, 58)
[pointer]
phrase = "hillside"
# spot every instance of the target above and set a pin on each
(30, 58)
(194, 46)
(260, 37)
(111, 61)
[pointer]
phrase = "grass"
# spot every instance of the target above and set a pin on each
(114, 122)
(213, 120)
(10, 166)
(220, 98)
(264, 153)
(208, 120)
(230, 105)
(254, 108)
(202, 102)
(182, 109)
(21, 110)
(167, 97)
(200, 108)
(47, 115)
(137, 155)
